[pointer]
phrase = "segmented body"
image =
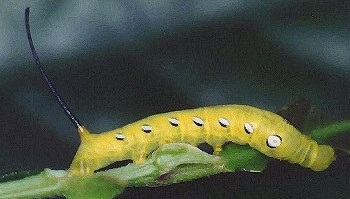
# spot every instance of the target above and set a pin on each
(216, 125)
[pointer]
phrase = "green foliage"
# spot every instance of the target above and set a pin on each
(42, 185)
(334, 134)
(245, 158)
(90, 187)
(171, 163)
(326, 132)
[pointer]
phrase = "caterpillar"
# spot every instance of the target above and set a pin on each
(263, 130)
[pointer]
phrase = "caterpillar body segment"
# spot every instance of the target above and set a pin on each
(216, 125)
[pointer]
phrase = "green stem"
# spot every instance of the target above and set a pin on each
(45, 184)
(169, 164)
(324, 133)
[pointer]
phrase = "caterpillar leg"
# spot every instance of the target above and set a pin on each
(81, 167)
(217, 149)
(140, 159)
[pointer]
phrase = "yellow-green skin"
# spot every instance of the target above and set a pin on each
(99, 150)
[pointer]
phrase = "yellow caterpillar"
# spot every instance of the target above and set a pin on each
(263, 130)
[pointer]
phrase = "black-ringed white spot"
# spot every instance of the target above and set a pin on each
(248, 127)
(174, 121)
(273, 141)
(224, 122)
(120, 136)
(198, 121)
(146, 128)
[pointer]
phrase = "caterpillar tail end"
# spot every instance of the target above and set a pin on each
(325, 156)
(83, 132)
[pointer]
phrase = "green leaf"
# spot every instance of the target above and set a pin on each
(324, 133)
(335, 134)
(243, 158)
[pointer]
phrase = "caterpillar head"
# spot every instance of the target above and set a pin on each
(276, 138)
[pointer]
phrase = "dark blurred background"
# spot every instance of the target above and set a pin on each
(119, 61)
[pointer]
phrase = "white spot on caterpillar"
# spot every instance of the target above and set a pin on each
(120, 136)
(146, 128)
(198, 121)
(224, 122)
(274, 141)
(174, 121)
(248, 127)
